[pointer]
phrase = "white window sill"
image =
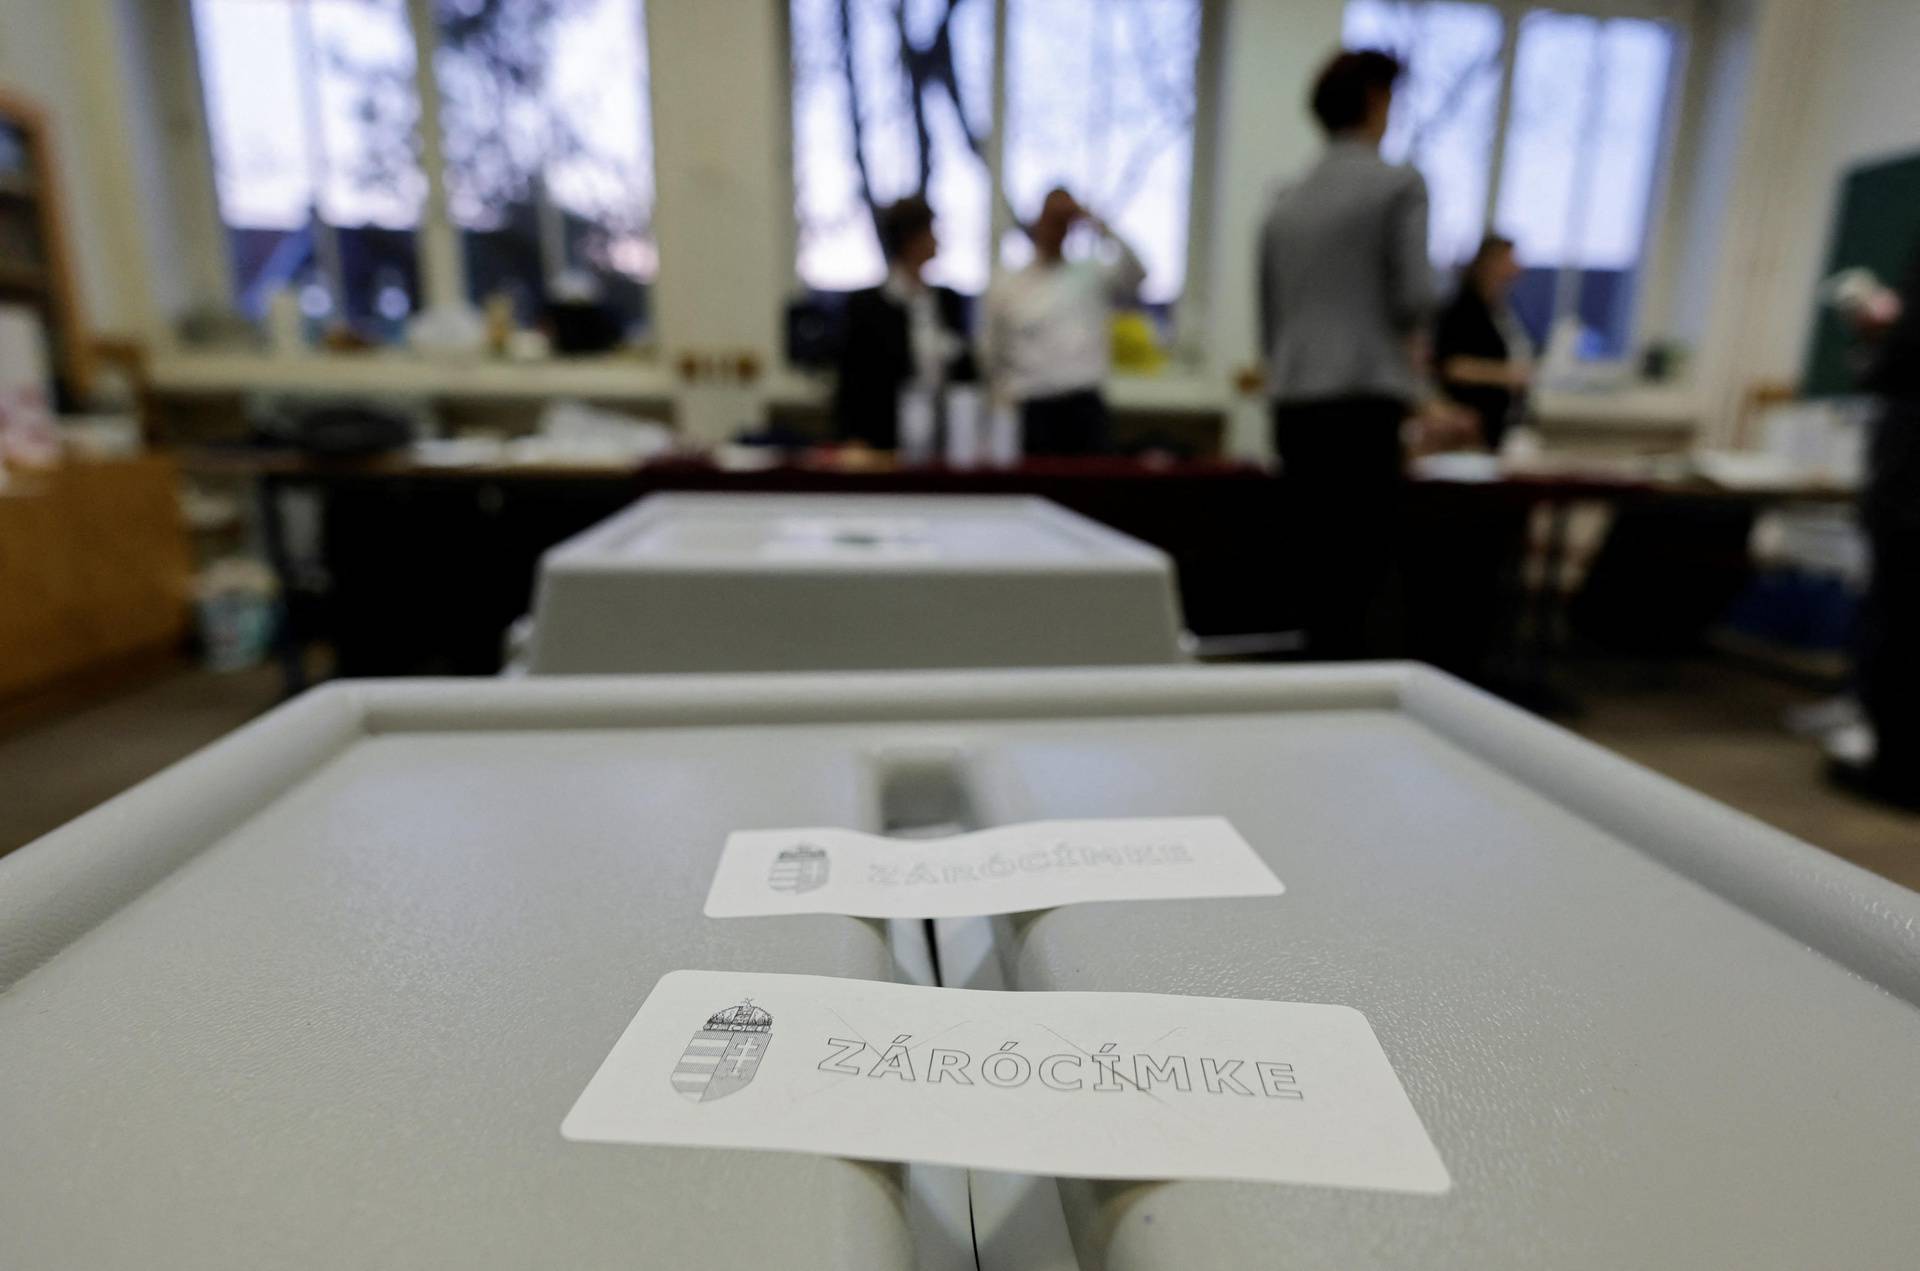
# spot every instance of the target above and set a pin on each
(1649, 407)
(611, 377)
(619, 377)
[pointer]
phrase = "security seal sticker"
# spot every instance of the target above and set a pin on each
(1087, 1085)
(1036, 865)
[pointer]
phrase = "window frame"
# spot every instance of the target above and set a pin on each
(1191, 311)
(439, 250)
(1679, 16)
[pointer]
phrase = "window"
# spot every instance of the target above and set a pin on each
(894, 97)
(1578, 144)
(313, 114)
(890, 98)
(1445, 112)
(304, 102)
(549, 150)
(1588, 101)
(1100, 99)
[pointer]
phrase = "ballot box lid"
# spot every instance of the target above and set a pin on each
(321, 995)
(692, 583)
(828, 533)
(1640, 1028)
(325, 991)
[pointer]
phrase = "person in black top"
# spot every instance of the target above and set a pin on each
(1888, 660)
(1478, 347)
(903, 332)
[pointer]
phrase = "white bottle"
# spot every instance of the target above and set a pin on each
(964, 448)
(916, 418)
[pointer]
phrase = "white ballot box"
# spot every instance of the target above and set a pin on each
(319, 997)
(325, 992)
(1642, 1030)
(761, 582)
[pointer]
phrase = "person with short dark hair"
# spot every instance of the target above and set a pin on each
(1480, 350)
(903, 332)
(1047, 344)
(1350, 86)
(1345, 290)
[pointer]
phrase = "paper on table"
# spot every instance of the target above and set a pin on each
(1092, 1085)
(1037, 865)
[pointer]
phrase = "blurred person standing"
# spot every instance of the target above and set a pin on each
(1047, 332)
(903, 333)
(1345, 289)
(1888, 659)
(1482, 353)
(1454, 572)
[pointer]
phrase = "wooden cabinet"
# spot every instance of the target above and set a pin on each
(94, 568)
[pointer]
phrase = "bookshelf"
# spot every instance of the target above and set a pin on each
(35, 266)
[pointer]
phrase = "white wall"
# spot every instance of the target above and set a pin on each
(1864, 105)
(1776, 99)
(723, 201)
(43, 47)
(1744, 124)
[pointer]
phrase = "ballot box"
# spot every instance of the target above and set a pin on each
(1641, 1029)
(324, 992)
(319, 997)
(712, 582)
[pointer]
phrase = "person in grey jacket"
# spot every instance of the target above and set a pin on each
(1345, 292)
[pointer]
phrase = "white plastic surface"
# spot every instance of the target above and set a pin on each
(323, 992)
(703, 582)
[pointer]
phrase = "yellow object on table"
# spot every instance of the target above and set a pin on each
(1135, 344)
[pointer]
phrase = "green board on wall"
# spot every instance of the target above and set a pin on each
(1878, 227)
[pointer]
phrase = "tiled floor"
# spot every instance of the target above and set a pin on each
(1712, 725)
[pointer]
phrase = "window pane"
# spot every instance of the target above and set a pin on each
(369, 112)
(1100, 99)
(549, 151)
(1589, 97)
(250, 64)
(1445, 111)
(311, 111)
(867, 131)
(1554, 71)
(1624, 143)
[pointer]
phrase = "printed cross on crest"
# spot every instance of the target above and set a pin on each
(746, 1052)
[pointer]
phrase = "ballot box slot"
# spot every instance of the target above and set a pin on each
(927, 791)
(924, 793)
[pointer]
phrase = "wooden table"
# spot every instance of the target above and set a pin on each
(426, 566)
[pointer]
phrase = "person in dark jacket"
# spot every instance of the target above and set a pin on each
(1888, 660)
(902, 333)
(1479, 348)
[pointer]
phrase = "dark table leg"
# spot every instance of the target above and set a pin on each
(1533, 684)
(289, 641)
